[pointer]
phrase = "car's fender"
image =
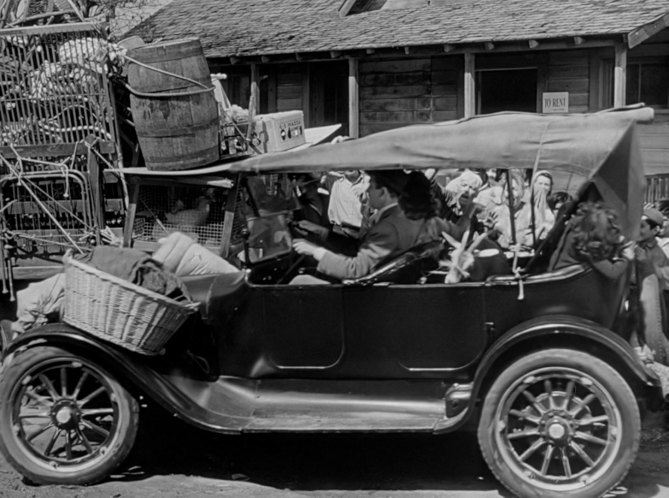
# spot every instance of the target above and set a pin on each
(137, 372)
(552, 331)
(563, 331)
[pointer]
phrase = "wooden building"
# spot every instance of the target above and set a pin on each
(379, 64)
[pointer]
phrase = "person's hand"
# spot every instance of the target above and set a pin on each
(541, 200)
(629, 250)
(640, 254)
(491, 220)
(301, 246)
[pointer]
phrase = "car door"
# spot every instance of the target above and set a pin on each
(399, 331)
(302, 327)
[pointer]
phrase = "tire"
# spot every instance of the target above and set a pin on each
(63, 419)
(559, 423)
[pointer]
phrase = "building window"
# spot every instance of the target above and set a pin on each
(647, 83)
(507, 90)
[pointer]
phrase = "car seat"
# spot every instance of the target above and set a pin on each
(407, 268)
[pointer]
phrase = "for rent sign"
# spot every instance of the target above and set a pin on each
(554, 102)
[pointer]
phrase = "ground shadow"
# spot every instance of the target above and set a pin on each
(311, 462)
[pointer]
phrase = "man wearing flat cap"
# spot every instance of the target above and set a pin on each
(388, 233)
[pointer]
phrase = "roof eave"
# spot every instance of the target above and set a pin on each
(532, 45)
(645, 31)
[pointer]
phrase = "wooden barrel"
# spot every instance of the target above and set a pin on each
(176, 120)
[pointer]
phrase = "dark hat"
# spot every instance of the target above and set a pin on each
(393, 179)
(654, 216)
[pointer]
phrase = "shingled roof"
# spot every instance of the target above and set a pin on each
(265, 27)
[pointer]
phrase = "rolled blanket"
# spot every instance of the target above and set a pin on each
(183, 256)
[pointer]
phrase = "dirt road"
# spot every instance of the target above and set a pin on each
(173, 460)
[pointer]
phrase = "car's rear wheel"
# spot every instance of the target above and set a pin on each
(63, 419)
(559, 422)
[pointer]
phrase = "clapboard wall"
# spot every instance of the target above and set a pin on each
(569, 71)
(398, 92)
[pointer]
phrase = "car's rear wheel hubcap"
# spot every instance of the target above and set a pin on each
(65, 414)
(558, 428)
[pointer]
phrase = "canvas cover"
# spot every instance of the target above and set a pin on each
(600, 147)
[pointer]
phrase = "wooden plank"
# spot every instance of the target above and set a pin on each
(542, 85)
(97, 192)
(580, 85)
(438, 116)
(345, 7)
(595, 90)
(650, 50)
(641, 34)
(444, 77)
(405, 117)
(54, 150)
(229, 217)
(461, 94)
(306, 96)
(353, 98)
(254, 102)
(289, 78)
(619, 75)
(317, 98)
(571, 72)
(289, 92)
(470, 85)
(75, 27)
(445, 90)
(395, 79)
(271, 90)
(449, 103)
(397, 65)
(422, 117)
(447, 63)
(506, 61)
(423, 103)
(579, 101)
(133, 198)
(385, 105)
(368, 129)
(399, 91)
(568, 57)
(289, 105)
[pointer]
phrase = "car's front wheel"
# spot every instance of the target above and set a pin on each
(559, 422)
(63, 418)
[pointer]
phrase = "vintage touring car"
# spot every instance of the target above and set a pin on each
(537, 360)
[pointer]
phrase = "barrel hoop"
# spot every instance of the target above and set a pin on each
(177, 132)
(147, 56)
(167, 95)
(184, 156)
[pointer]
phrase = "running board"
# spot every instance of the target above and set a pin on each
(306, 406)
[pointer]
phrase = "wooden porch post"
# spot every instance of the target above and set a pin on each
(470, 84)
(254, 104)
(353, 99)
(619, 75)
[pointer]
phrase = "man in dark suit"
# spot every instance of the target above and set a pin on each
(387, 234)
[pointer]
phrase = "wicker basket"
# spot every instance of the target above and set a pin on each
(119, 311)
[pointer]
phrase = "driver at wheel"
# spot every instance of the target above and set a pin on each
(387, 234)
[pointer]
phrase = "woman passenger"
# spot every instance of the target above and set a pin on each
(542, 218)
(593, 236)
